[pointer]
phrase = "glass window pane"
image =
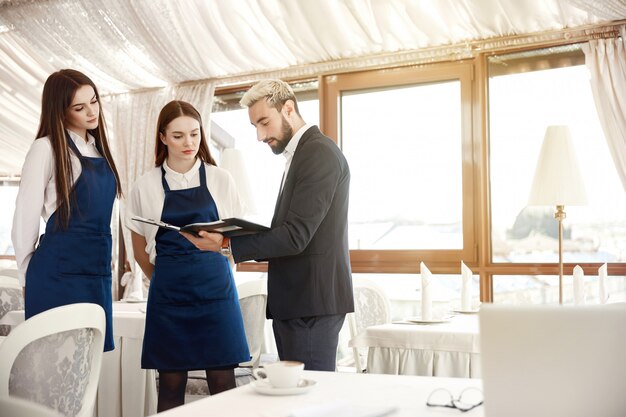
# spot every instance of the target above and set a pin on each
(544, 289)
(521, 106)
(404, 150)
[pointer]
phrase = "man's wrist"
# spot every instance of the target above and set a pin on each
(225, 249)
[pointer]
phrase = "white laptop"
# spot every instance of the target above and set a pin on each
(553, 361)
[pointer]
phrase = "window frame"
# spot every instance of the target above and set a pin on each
(407, 261)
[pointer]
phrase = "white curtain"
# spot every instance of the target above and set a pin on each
(132, 119)
(606, 60)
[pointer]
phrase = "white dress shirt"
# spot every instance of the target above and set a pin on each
(37, 195)
(147, 197)
(290, 150)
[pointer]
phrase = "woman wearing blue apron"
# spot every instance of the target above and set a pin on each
(193, 319)
(70, 180)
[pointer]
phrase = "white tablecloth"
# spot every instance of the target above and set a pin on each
(407, 393)
(125, 390)
(448, 349)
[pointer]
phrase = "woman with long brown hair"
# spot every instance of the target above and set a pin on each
(193, 318)
(69, 179)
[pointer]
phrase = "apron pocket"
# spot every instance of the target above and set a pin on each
(192, 279)
(84, 254)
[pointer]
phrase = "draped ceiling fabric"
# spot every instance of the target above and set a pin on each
(129, 47)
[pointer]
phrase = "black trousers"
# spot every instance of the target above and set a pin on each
(312, 340)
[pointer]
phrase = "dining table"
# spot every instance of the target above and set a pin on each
(335, 394)
(448, 347)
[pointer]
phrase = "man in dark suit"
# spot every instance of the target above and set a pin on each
(309, 277)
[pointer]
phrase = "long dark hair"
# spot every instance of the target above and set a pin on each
(169, 112)
(58, 93)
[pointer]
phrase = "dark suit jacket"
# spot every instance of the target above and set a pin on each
(307, 246)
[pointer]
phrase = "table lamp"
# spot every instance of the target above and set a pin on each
(232, 160)
(558, 181)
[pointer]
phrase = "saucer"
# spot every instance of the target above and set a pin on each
(264, 387)
(474, 311)
(419, 320)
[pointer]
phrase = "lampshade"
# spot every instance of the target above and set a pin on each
(557, 178)
(232, 160)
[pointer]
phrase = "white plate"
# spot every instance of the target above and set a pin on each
(132, 300)
(475, 311)
(263, 387)
(419, 320)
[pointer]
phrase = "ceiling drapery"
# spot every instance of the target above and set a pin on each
(131, 45)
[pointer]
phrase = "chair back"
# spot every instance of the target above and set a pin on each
(253, 300)
(54, 359)
(19, 407)
(11, 298)
(371, 307)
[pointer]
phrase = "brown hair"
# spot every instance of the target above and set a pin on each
(58, 93)
(169, 112)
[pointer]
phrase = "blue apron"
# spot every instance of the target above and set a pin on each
(74, 265)
(193, 318)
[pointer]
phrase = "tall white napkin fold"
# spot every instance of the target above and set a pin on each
(133, 286)
(427, 302)
(341, 408)
(602, 275)
(466, 287)
(579, 285)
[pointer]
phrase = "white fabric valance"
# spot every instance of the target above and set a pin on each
(135, 45)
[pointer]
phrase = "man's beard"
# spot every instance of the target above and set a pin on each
(286, 135)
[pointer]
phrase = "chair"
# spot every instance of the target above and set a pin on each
(371, 307)
(252, 300)
(19, 407)
(11, 298)
(54, 359)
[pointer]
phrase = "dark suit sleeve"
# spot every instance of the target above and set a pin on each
(318, 170)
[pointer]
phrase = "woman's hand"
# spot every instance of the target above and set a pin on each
(207, 241)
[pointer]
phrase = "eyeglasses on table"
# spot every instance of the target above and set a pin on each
(467, 400)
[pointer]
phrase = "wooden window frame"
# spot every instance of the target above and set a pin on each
(407, 261)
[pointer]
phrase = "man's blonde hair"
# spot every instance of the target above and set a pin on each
(276, 92)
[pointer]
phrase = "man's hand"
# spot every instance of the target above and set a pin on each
(207, 241)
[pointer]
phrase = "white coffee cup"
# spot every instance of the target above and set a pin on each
(282, 374)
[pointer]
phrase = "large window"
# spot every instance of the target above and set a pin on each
(407, 136)
(404, 147)
(528, 92)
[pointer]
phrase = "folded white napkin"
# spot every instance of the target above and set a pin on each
(133, 286)
(427, 302)
(579, 285)
(466, 287)
(602, 292)
(341, 408)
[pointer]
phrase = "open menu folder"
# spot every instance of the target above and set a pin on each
(228, 227)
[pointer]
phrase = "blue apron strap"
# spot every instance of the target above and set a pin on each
(163, 181)
(202, 176)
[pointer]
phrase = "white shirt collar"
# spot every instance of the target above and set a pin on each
(186, 176)
(78, 140)
(290, 149)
